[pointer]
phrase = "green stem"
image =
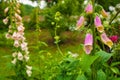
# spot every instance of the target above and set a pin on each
(114, 17)
(58, 44)
(94, 71)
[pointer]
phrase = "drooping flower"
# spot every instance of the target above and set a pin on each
(98, 24)
(89, 9)
(26, 57)
(16, 44)
(18, 17)
(14, 61)
(5, 21)
(114, 38)
(14, 54)
(104, 13)
(8, 36)
(24, 46)
(106, 40)
(80, 22)
(29, 67)
(20, 56)
(20, 28)
(88, 43)
(16, 36)
(29, 72)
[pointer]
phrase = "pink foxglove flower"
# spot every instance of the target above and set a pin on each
(98, 24)
(80, 22)
(114, 38)
(88, 43)
(106, 40)
(89, 9)
(104, 13)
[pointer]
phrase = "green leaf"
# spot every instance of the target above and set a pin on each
(115, 63)
(81, 77)
(115, 70)
(103, 56)
(101, 75)
(86, 61)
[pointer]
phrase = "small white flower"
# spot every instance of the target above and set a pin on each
(26, 57)
(17, 36)
(111, 8)
(24, 46)
(29, 67)
(20, 56)
(20, 28)
(14, 61)
(14, 54)
(75, 55)
(16, 43)
(8, 36)
(5, 21)
(27, 52)
(29, 72)
(18, 17)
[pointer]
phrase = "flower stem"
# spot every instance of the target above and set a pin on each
(94, 72)
(58, 44)
(114, 17)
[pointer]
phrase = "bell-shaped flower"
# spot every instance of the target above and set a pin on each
(20, 56)
(89, 9)
(88, 43)
(16, 43)
(106, 40)
(104, 13)
(98, 24)
(5, 21)
(80, 22)
(29, 72)
(14, 61)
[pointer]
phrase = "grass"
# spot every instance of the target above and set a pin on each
(70, 42)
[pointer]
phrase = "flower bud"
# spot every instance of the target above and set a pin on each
(80, 22)
(104, 13)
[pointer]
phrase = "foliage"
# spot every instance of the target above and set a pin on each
(107, 3)
(54, 64)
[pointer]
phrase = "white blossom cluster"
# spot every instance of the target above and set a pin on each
(16, 33)
(113, 12)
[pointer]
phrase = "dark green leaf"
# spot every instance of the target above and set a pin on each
(81, 77)
(101, 75)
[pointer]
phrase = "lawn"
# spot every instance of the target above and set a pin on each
(46, 52)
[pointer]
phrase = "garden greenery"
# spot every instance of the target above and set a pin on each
(99, 59)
